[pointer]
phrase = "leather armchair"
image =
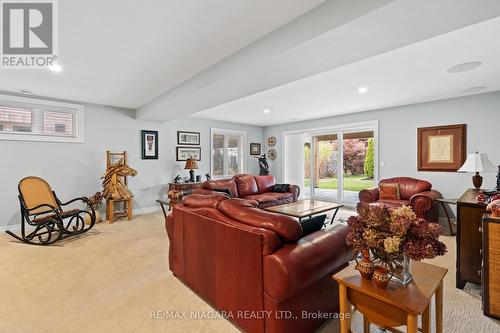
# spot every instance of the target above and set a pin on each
(415, 193)
(241, 258)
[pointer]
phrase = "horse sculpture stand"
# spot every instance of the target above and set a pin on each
(126, 203)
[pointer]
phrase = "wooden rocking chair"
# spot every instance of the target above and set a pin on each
(42, 210)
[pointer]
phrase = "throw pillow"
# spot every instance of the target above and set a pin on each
(312, 224)
(389, 192)
(281, 188)
(224, 190)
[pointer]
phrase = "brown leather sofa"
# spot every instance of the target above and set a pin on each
(415, 193)
(254, 266)
(258, 189)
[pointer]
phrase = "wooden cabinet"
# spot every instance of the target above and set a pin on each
(491, 266)
(469, 238)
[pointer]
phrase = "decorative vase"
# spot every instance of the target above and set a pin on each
(404, 277)
(381, 276)
(98, 218)
(365, 266)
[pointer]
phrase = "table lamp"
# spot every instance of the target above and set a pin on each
(477, 162)
(191, 164)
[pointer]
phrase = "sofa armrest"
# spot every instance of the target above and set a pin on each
(295, 190)
(422, 203)
(296, 266)
(369, 195)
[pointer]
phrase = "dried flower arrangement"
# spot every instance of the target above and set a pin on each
(391, 234)
(96, 199)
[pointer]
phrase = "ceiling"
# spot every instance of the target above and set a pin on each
(411, 74)
(126, 53)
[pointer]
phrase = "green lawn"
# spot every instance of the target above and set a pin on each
(351, 183)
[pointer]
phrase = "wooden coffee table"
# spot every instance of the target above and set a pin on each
(306, 208)
(395, 306)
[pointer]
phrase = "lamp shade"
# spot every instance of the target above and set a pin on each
(477, 162)
(191, 164)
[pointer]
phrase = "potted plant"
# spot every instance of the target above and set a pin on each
(393, 237)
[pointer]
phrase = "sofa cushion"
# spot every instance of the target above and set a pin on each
(265, 183)
(313, 224)
(392, 203)
(246, 185)
(281, 188)
(408, 186)
(202, 200)
(269, 196)
(389, 192)
(221, 184)
(242, 211)
(298, 265)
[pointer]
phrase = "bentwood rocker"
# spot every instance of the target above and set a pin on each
(42, 212)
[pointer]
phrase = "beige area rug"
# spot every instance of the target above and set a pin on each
(116, 276)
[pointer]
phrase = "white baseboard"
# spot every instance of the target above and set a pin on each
(137, 211)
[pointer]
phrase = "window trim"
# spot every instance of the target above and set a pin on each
(32, 103)
(243, 159)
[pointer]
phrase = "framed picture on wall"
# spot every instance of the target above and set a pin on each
(183, 153)
(254, 148)
(188, 138)
(441, 148)
(149, 145)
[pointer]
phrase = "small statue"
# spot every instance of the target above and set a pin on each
(207, 175)
(498, 179)
(177, 179)
(264, 167)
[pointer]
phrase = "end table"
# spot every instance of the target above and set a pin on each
(395, 306)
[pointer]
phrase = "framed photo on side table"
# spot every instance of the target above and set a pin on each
(188, 138)
(183, 153)
(254, 148)
(441, 148)
(149, 145)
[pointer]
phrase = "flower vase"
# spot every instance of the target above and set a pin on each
(365, 266)
(404, 277)
(98, 218)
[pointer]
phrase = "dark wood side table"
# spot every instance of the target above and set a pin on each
(443, 203)
(469, 243)
(176, 191)
(395, 306)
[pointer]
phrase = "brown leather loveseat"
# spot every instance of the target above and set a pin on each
(258, 189)
(415, 193)
(256, 267)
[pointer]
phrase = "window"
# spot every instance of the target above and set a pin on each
(33, 119)
(228, 158)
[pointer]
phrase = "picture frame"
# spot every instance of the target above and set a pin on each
(183, 153)
(255, 148)
(185, 138)
(441, 148)
(149, 145)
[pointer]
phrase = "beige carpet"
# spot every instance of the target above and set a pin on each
(112, 279)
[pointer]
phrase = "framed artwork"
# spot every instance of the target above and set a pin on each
(188, 138)
(254, 148)
(149, 145)
(441, 148)
(183, 153)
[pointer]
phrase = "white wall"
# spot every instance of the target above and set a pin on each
(398, 137)
(294, 159)
(74, 169)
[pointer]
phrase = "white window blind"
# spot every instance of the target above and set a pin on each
(38, 120)
(227, 153)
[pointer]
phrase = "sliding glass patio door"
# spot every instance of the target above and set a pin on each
(339, 164)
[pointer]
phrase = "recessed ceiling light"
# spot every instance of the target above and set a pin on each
(26, 91)
(266, 111)
(472, 90)
(362, 90)
(55, 68)
(466, 66)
